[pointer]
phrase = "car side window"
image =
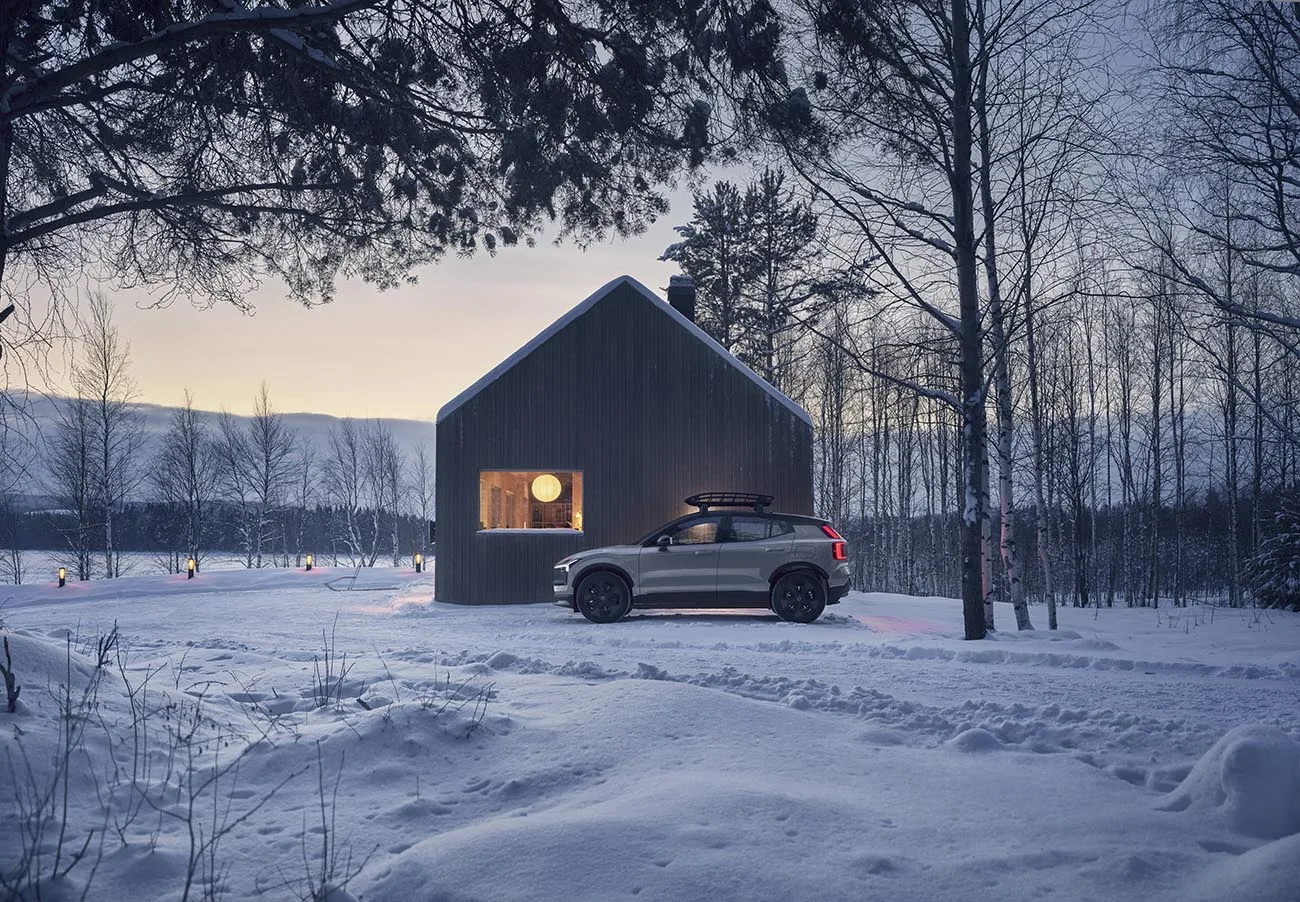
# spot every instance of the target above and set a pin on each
(748, 529)
(698, 532)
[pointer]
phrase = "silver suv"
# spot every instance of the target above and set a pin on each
(731, 553)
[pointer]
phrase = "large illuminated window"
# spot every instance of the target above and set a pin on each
(530, 499)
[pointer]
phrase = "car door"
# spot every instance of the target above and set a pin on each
(683, 571)
(751, 549)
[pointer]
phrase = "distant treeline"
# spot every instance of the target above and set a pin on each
(1113, 557)
(155, 526)
(207, 483)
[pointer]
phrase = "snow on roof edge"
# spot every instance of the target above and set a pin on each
(545, 335)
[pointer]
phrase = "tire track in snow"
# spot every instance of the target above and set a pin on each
(1122, 743)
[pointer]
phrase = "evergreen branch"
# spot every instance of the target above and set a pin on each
(24, 98)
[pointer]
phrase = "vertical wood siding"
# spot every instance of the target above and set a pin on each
(648, 413)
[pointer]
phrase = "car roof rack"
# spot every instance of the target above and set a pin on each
(706, 500)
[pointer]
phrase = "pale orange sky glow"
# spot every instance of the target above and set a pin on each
(401, 353)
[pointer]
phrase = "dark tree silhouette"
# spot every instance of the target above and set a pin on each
(1273, 574)
(754, 259)
(199, 145)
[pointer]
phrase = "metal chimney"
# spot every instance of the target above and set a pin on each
(681, 294)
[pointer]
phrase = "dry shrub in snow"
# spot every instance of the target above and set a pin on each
(106, 766)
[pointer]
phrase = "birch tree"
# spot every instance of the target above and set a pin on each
(71, 460)
(270, 457)
(234, 477)
(15, 461)
(345, 486)
(902, 77)
(383, 466)
(101, 375)
(305, 479)
(421, 490)
(1231, 85)
(184, 476)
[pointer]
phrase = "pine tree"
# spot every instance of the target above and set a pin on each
(713, 250)
(1273, 574)
(779, 231)
(749, 254)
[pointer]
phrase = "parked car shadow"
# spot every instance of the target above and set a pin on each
(707, 615)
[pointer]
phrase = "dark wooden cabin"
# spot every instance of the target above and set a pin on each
(593, 433)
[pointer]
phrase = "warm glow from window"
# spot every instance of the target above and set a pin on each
(530, 499)
(546, 488)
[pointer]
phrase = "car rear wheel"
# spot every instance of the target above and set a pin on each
(799, 597)
(603, 597)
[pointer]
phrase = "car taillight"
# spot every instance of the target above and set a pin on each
(839, 551)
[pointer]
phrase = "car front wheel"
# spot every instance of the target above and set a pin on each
(799, 597)
(603, 597)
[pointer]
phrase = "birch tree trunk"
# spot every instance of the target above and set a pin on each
(986, 544)
(1178, 434)
(1257, 444)
(1094, 575)
(1157, 451)
(1036, 421)
(1001, 366)
(1232, 476)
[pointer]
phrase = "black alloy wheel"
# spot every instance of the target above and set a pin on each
(603, 597)
(799, 597)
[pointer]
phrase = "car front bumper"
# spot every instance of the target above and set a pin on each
(563, 592)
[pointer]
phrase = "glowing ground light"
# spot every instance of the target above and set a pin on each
(546, 487)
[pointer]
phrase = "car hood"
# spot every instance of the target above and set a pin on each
(598, 552)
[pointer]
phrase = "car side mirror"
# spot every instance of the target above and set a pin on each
(664, 541)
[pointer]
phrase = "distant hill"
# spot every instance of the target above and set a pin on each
(39, 415)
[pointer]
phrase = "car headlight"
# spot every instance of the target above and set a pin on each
(560, 573)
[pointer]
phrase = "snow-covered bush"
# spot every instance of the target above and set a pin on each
(1251, 776)
(1273, 574)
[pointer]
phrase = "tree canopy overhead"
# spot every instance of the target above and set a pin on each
(200, 145)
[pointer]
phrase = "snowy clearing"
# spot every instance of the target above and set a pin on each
(259, 732)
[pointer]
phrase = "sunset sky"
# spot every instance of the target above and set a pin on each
(401, 353)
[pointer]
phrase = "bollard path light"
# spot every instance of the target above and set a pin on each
(309, 561)
(419, 562)
(63, 577)
(190, 568)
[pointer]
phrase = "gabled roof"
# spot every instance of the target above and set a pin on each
(542, 337)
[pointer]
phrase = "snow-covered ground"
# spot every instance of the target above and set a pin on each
(262, 732)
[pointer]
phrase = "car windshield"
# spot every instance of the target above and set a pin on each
(658, 531)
